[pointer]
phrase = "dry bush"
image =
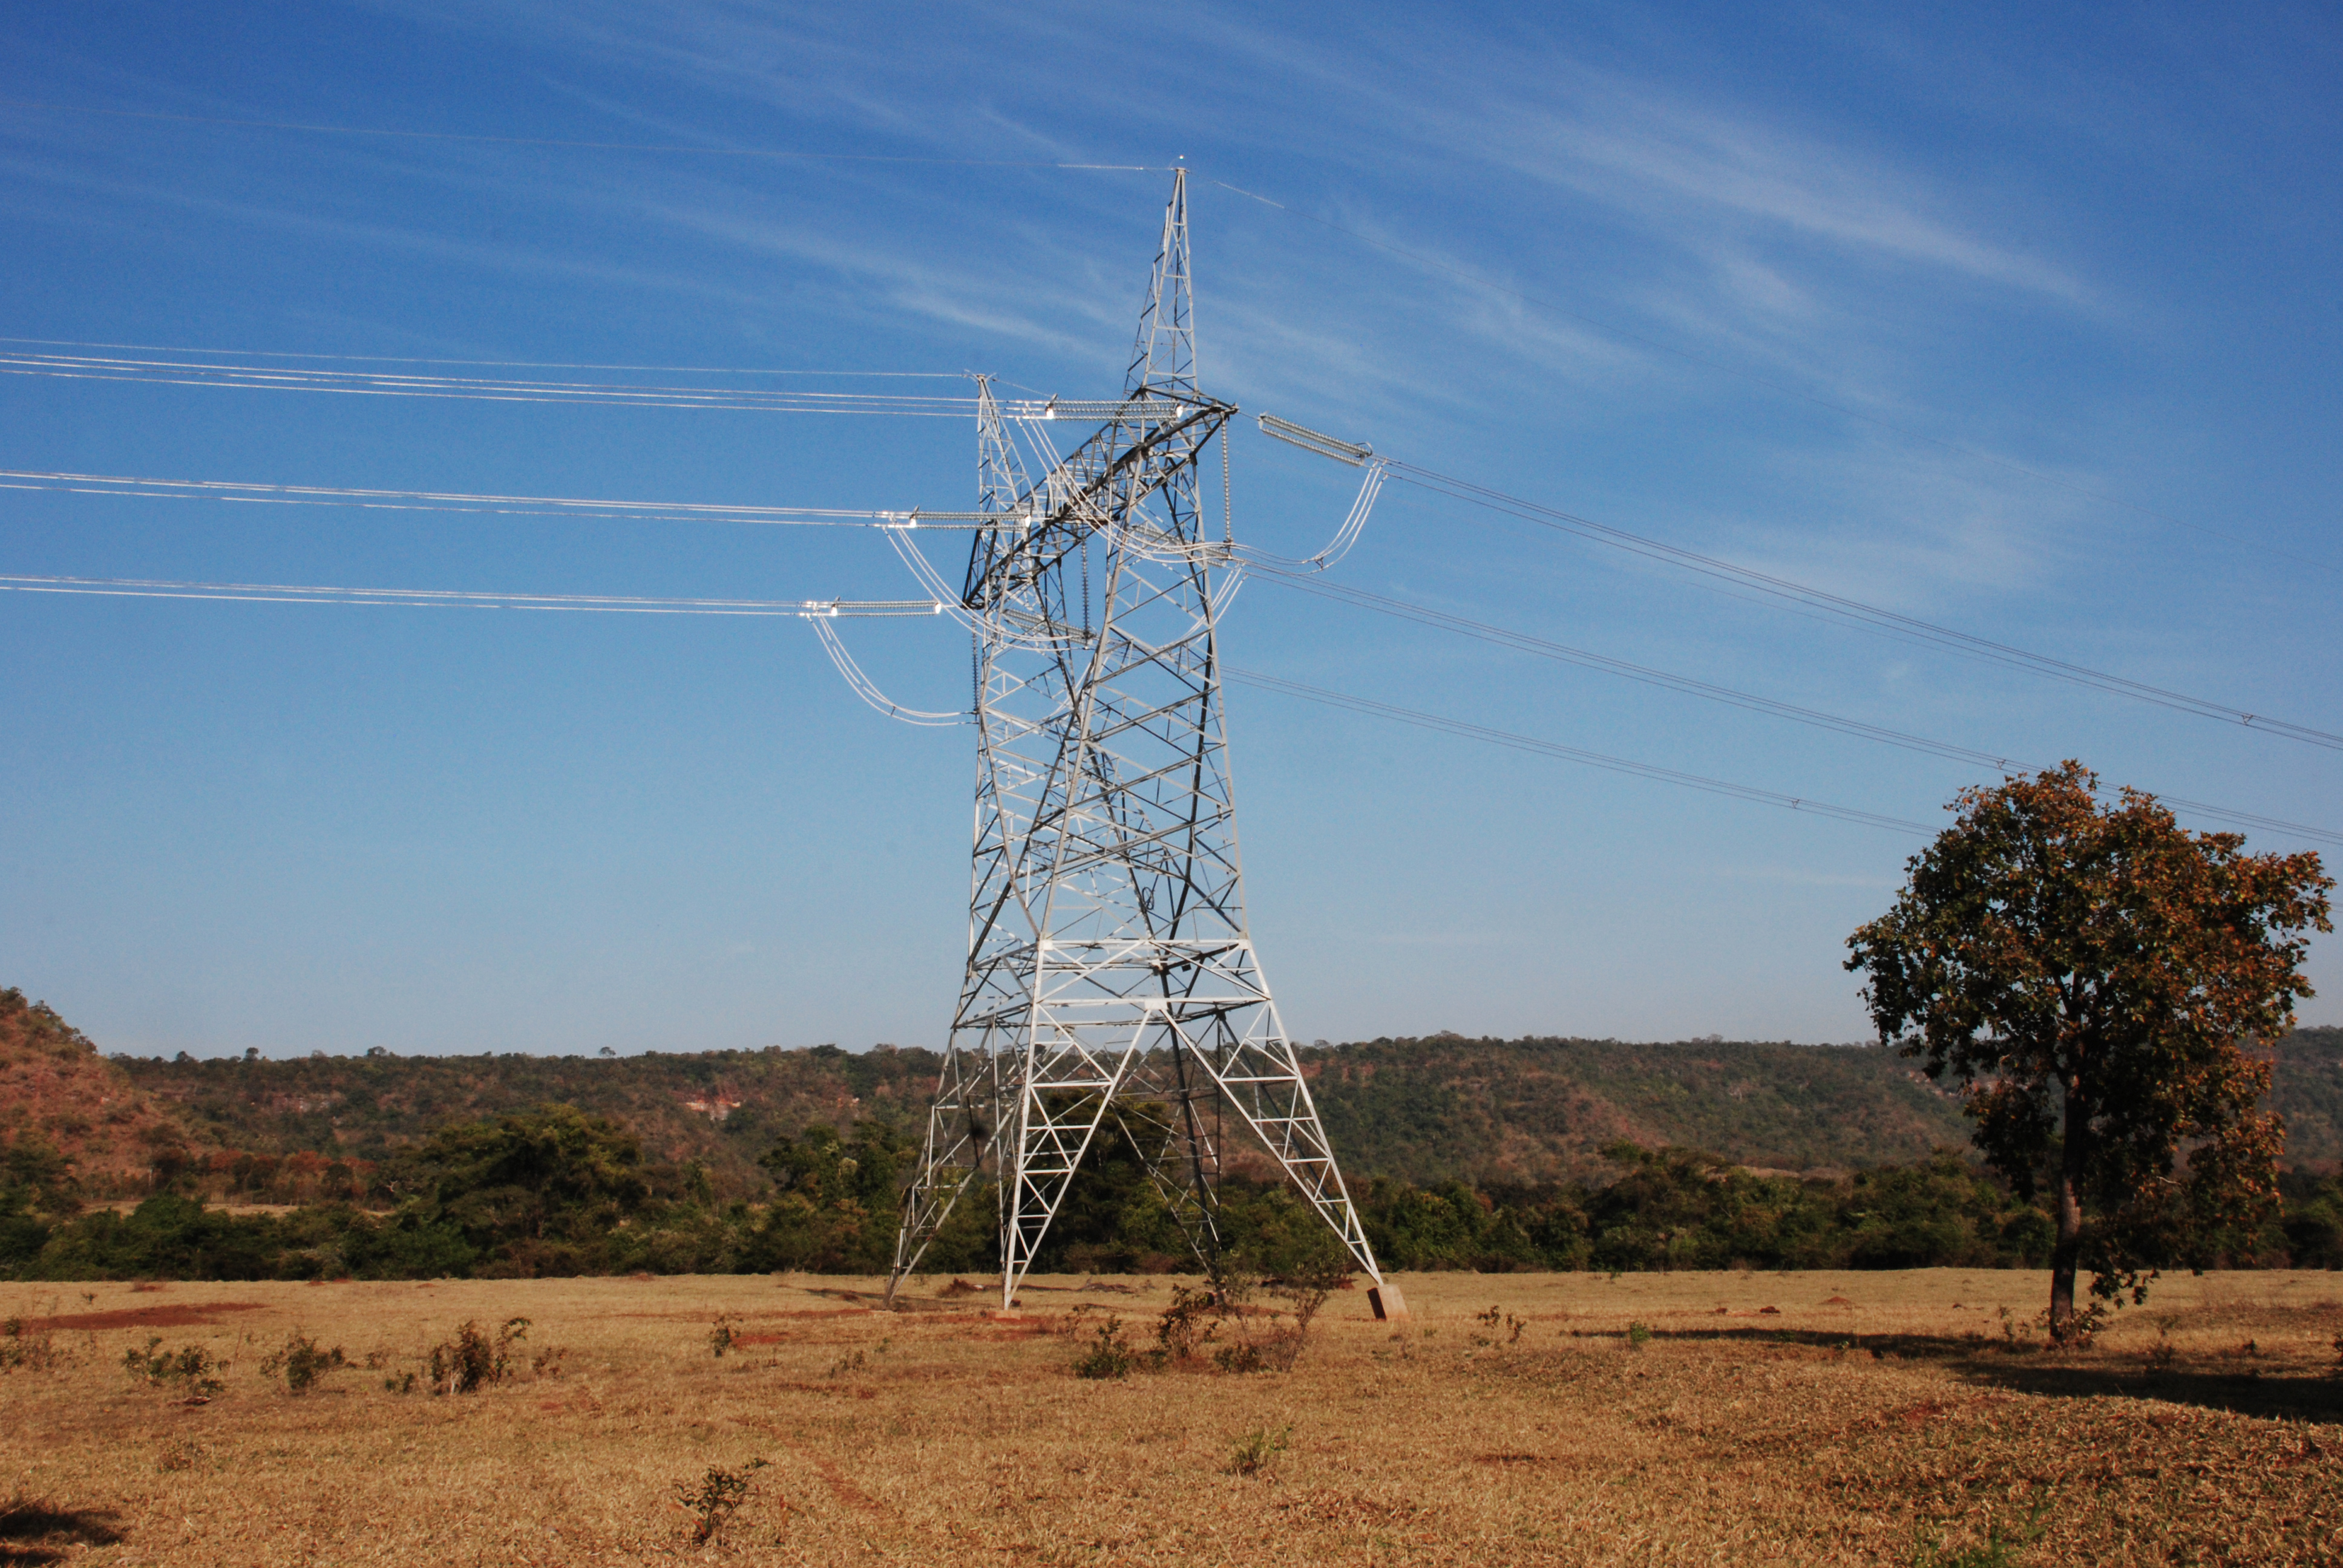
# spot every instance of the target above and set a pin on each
(1258, 1450)
(301, 1363)
(1220, 1326)
(719, 1497)
(29, 1349)
(190, 1368)
(1497, 1319)
(1107, 1357)
(472, 1361)
(181, 1454)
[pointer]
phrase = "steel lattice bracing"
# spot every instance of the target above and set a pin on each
(1111, 978)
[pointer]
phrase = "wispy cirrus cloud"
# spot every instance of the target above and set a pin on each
(1672, 166)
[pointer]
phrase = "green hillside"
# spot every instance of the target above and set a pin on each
(1489, 1111)
(721, 1108)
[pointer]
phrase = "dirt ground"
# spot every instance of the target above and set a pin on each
(1729, 1418)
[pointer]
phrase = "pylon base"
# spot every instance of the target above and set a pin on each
(1389, 1305)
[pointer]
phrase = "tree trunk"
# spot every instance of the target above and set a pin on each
(2073, 1154)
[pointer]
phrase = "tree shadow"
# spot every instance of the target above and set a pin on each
(2314, 1398)
(33, 1533)
(1977, 1360)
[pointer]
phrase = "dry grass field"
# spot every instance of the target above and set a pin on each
(1863, 1417)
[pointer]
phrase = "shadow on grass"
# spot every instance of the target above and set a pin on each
(2301, 1397)
(33, 1532)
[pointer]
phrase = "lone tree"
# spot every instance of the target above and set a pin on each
(2097, 979)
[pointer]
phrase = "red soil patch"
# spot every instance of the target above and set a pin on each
(186, 1315)
(813, 1312)
(1837, 1302)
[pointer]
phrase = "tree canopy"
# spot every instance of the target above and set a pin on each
(2100, 982)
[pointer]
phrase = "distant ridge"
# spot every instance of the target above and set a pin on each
(1422, 1110)
(56, 1092)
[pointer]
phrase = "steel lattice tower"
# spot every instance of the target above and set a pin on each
(1109, 971)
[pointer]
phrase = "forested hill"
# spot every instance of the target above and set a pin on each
(1490, 1111)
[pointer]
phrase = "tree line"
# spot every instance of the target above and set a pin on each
(558, 1192)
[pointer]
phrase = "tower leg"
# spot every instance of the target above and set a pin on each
(961, 1127)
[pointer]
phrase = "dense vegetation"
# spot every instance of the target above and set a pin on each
(1483, 1110)
(1464, 1154)
(558, 1192)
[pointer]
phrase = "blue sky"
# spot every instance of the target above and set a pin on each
(2020, 321)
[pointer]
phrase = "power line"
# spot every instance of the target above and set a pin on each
(781, 153)
(821, 610)
(1786, 390)
(463, 503)
(1383, 603)
(384, 383)
(489, 364)
(1853, 611)
(1574, 754)
(1426, 614)
(440, 501)
(453, 598)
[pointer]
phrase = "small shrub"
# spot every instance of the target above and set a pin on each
(1108, 1357)
(547, 1363)
(472, 1361)
(1303, 1291)
(857, 1361)
(960, 1288)
(721, 1336)
(400, 1382)
(301, 1363)
(1187, 1326)
(1259, 1450)
(191, 1367)
(719, 1497)
(27, 1352)
(1240, 1358)
(1496, 1319)
(1639, 1336)
(1248, 1339)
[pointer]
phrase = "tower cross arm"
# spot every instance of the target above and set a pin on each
(1119, 466)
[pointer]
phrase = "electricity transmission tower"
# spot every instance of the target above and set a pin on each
(1110, 977)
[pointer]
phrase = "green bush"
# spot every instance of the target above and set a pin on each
(301, 1363)
(472, 1361)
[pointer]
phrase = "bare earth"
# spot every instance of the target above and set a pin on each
(1901, 1426)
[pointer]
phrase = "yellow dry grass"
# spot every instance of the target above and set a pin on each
(1874, 1418)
